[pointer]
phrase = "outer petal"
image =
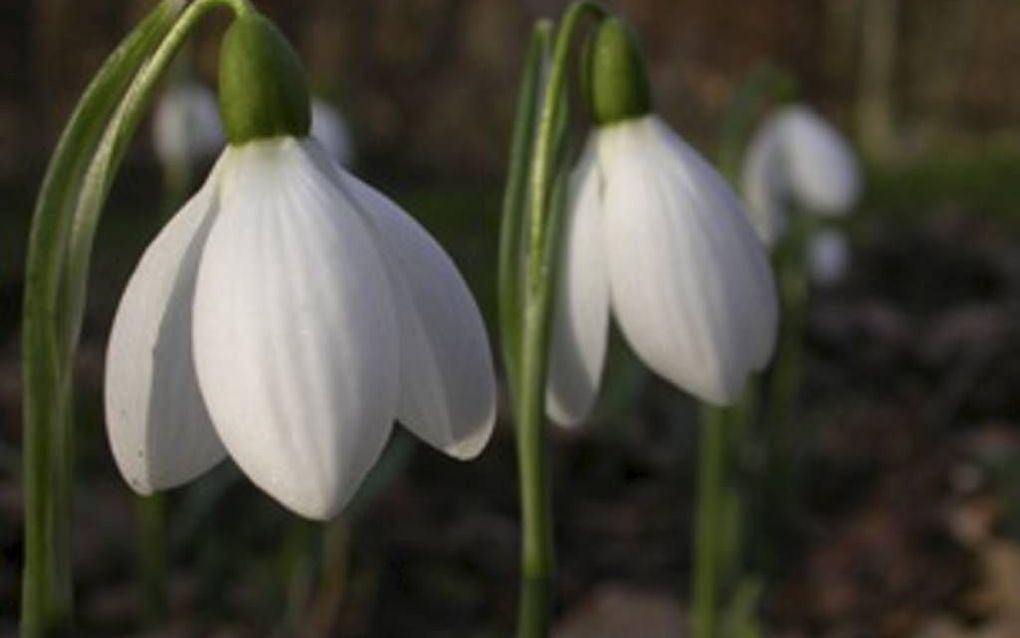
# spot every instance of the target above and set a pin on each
(764, 184)
(581, 318)
(156, 420)
(294, 330)
(822, 170)
(690, 282)
(448, 387)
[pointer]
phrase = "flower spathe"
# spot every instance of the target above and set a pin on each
(286, 316)
(654, 234)
(797, 156)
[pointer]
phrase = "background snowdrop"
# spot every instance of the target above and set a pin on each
(797, 159)
(186, 124)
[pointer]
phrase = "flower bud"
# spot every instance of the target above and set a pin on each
(619, 78)
(262, 87)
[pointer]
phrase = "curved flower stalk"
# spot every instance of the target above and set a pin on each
(186, 126)
(332, 131)
(797, 158)
(288, 314)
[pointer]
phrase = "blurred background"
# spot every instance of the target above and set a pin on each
(911, 517)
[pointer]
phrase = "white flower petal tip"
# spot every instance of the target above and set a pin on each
(823, 171)
(293, 329)
(186, 124)
(581, 318)
(690, 282)
(157, 423)
(448, 386)
(828, 257)
(331, 130)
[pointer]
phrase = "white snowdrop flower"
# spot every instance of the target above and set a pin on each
(797, 157)
(186, 124)
(657, 239)
(828, 257)
(287, 315)
(330, 128)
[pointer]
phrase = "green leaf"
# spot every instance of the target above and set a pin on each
(46, 598)
(516, 195)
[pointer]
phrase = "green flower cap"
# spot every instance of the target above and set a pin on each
(619, 79)
(262, 89)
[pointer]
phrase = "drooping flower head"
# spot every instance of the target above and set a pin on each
(655, 237)
(797, 158)
(289, 313)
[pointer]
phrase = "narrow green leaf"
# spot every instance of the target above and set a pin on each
(516, 194)
(46, 598)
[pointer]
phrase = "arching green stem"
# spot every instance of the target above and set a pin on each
(107, 160)
(67, 209)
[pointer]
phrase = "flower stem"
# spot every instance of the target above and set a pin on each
(67, 210)
(709, 520)
(526, 339)
(152, 563)
(783, 431)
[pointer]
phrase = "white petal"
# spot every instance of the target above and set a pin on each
(330, 129)
(822, 168)
(448, 387)
(828, 257)
(764, 184)
(294, 325)
(581, 318)
(690, 281)
(186, 124)
(157, 423)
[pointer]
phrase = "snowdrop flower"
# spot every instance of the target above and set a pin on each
(828, 257)
(796, 157)
(186, 125)
(330, 128)
(288, 314)
(655, 238)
